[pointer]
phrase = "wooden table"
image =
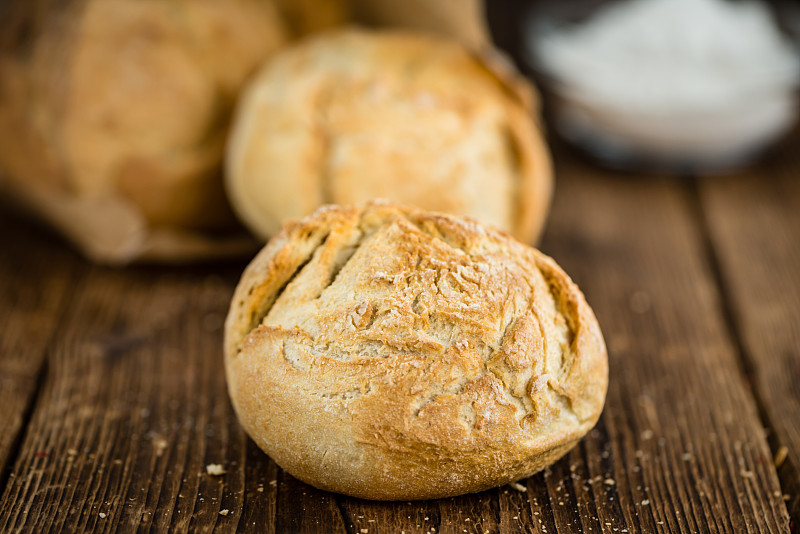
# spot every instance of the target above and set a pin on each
(113, 399)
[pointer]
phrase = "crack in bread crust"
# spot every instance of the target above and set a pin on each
(409, 337)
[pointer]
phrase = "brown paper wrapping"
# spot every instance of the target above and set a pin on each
(105, 225)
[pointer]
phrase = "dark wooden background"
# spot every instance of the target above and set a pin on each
(113, 400)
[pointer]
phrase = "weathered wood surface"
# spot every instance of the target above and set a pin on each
(753, 224)
(131, 406)
(681, 429)
(132, 409)
(30, 311)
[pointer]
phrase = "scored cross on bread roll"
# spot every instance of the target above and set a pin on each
(390, 353)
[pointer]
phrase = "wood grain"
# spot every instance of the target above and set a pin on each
(133, 405)
(131, 412)
(261, 492)
(33, 294)
(753, 223)
(680, 446)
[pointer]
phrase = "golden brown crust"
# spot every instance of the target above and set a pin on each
(390, 353)
(354, 115)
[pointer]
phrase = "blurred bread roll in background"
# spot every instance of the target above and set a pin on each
(352, 115)
(114, 115)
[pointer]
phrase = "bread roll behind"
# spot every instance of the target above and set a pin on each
(353, 115)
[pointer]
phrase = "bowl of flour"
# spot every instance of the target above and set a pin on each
(691, 86)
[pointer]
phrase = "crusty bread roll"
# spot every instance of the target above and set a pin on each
(114, 113)
(354, 115)
(391, 353)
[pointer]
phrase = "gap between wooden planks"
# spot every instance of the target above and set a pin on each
(34, 292)
(133, 406)
(753, 224)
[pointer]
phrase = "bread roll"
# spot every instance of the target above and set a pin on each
(355, 115)
(389, 353)
(115, 113)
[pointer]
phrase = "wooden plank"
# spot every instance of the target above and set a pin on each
(379, 517)
(33, 295)
(303, 509)
(680, 445)
(487, 511)
(754, 227)
(133, 409)
(261, 483)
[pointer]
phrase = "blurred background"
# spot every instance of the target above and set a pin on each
(677, 87)
(118, 118)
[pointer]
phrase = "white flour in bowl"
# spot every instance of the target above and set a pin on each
(698, 82)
